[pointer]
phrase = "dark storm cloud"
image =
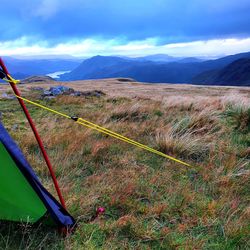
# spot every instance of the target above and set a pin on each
(170, 20)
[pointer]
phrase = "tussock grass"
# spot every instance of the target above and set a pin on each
(151, 203)
(182, 144)
(238, 117)
(191, 137)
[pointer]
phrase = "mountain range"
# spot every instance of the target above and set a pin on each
(229, 70)
(163, 58)
(159, 68)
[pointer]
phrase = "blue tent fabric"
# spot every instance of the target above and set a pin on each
(61, 217)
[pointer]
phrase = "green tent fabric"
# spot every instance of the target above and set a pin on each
(18, 200)
(22, 196)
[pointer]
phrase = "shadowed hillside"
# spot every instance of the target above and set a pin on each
(236, 73)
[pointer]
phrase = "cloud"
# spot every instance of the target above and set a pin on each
(216, 47)
(91, 47)
(47, 8)
(60, 21)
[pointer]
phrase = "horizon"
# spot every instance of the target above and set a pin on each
(230, 47)
(70, 57)
(84, 28)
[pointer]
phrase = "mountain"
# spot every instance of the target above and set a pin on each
(144, 71)
(222, 62)
(236, 73)
(158, 58)
(164, 58)
(190, 60)
(28, 67)
(158, 73)
(188, 71)
(98, 67)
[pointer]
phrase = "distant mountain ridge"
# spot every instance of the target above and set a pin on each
(158, 58)
(159, 72)
(159, 68)
(22, 68)
(164, 58)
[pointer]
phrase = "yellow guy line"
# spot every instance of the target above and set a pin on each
(10, 79)
(106, 131)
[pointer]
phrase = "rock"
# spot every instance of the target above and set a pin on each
(63, 90)
(6, 96)
(47, 93)
(58, 90)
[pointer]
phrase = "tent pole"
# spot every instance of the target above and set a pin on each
(37, 136)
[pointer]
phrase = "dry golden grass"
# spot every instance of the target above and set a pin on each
(151, 203)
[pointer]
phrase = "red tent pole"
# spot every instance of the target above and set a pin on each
(39, 141)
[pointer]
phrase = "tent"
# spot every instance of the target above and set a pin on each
(22, 196)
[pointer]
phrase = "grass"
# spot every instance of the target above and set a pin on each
(151, 203)
(238, 117)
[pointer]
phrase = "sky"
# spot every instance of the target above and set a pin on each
(83, 28)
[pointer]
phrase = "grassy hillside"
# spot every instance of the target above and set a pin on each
(151, 203)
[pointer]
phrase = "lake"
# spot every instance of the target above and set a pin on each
(57, 74)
